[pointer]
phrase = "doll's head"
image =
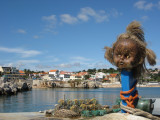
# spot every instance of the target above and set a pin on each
(129, 51)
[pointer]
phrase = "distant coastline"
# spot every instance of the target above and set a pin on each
(90, 84)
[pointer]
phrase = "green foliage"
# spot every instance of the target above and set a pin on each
(87, 77)
(155, 77)
(92, 71)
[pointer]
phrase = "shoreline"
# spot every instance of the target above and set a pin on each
(22, 116)
(42, 116)
(107, 86)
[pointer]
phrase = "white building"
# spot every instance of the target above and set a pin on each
(54, 74)
(10, 74)
(65, 76)
(100, 75)
(9, 70)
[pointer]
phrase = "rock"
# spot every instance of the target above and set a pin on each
(29, 86)
(85, 85)
(53, 84)
(41, 111)
(120, 116)
(105, 107)
(22, 86)
(14, 90)
(10, 88)
(1, 90)
(109, 110)
(115, 106)
(64, 113)
(49, 112)
(5, 85)
(7, 91)
(57, 107)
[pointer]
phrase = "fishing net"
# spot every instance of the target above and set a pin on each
(87, 113)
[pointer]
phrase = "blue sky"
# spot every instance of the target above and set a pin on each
(70, 34)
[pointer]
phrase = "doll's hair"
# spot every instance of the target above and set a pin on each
(135, 33)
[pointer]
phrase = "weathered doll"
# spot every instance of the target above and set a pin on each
(129, 51)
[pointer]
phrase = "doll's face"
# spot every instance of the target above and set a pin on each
(125, 53)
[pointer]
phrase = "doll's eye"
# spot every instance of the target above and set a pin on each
(128, 56)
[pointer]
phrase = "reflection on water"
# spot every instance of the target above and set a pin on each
(43, 99)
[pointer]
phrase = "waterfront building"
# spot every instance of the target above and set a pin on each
(81, 75)
(54, 74)
(76, 77)
(22, 75)
(65, 76)
(114, 77)
(100, 75)
(9, 70)
(10, 74)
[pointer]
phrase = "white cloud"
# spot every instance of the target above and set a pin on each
(51, 59)
(36, 37)
(21, 31)
(67, 18)
(158, 61)
(22, 52)
(115, 13)
(100, 65)
(84, 15)
(143, 5)
(55, 60)
(51, 23)
(42, 67)
(28, 61)
(52, 19)
(144, 18)
(158, 5)
(14, 64)
(68, 65)
(87, 12)
(79, 58)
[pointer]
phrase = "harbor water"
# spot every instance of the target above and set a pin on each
(44, 99)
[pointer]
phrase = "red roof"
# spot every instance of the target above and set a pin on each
(21, 72)
(64, 72)
(113, 75)
(82, 73)
(44, 73)
(105, 79)
(52, 70)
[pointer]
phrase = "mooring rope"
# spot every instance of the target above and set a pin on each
(138, 112)
(129, 100)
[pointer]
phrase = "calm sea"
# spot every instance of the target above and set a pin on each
(44, 99)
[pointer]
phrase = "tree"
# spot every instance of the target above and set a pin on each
(87, 77)
(99, 70)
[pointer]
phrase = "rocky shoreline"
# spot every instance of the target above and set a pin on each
(41, 116)
(84, 84)
(62, 84)
(9, 88)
